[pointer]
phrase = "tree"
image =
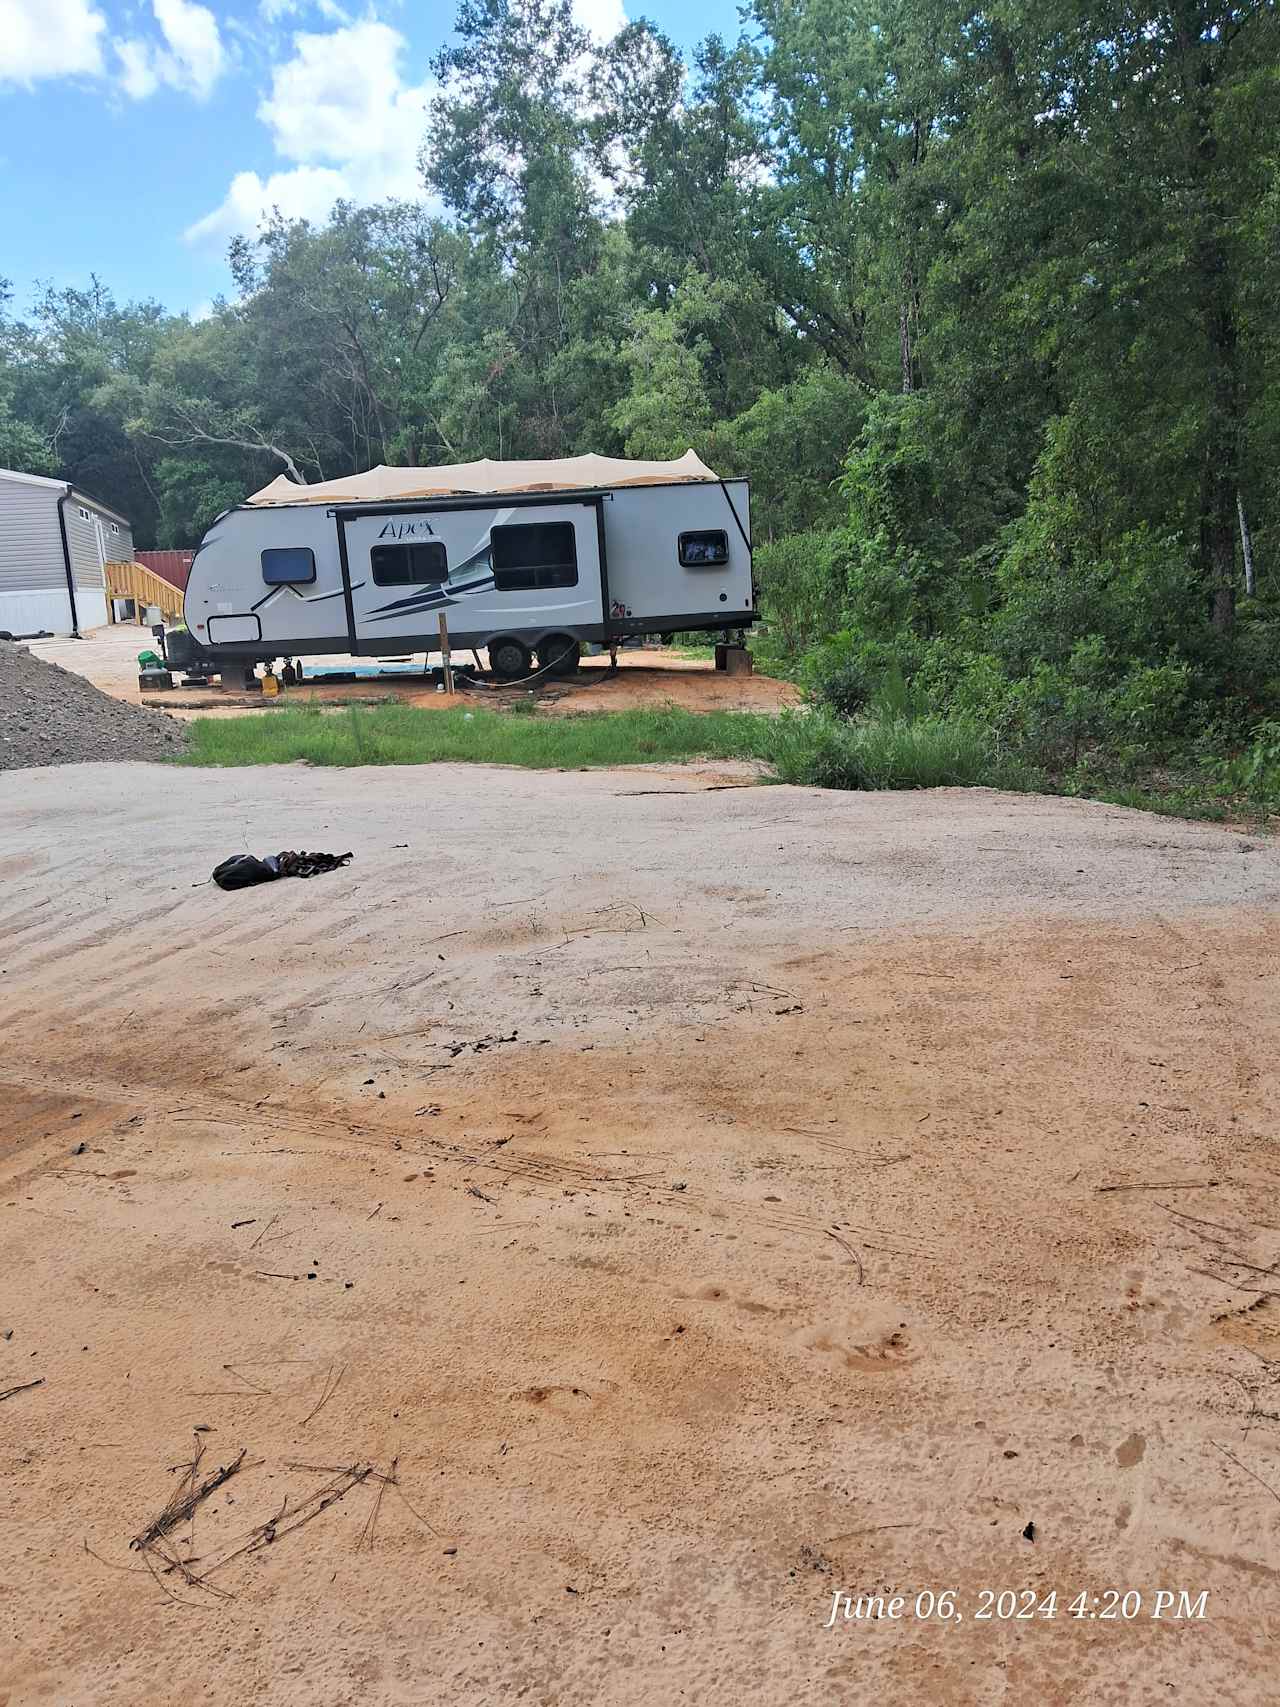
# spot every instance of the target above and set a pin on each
(22, 447)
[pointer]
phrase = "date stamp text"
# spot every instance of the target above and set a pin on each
(989, 1605)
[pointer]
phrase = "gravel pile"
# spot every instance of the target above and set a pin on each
(48, 716)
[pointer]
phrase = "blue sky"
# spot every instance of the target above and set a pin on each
(137, 136)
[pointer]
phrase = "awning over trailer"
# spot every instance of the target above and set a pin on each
(567, 474)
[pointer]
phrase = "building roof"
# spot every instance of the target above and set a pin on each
(565, 474)
(64, 486)
(32, 479)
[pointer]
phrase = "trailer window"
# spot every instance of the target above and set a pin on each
(418, 565)
(706, 550)
(288, 566)
(534, 554)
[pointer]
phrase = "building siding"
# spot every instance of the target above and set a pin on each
(30, 544)
(119, 540)
(82, 536)
(33, 579)
(116, 535)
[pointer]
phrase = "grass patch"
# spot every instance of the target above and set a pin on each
(877, 751)
(404, 735)
(893, 751)
(1169, 803)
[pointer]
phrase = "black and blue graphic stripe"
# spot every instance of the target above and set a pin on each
(429, 599)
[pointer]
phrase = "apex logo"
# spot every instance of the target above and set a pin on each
(420, 529)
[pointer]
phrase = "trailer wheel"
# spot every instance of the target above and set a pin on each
(560, 655)
(510, 659)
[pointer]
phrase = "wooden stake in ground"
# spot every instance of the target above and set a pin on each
(446, 657)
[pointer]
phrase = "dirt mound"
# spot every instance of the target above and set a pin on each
(50, 716)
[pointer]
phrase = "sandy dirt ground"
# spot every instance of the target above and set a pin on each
(612, 1227)
(646, 677)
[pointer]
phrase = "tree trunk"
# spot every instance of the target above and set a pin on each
(1218, 514)
(1218, 551)
(904, 347)
(1215, 295)
(1246, 547)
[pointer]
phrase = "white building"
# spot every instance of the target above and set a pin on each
(54, 541)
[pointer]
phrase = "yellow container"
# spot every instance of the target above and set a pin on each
(270, 685)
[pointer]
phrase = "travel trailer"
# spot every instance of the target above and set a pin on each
(527, 559)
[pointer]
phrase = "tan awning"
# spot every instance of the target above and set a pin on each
(567, 474)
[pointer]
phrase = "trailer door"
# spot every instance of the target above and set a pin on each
(526, 569)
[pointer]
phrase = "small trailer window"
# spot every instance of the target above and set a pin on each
(418, 565)
(288, 566)
(534, 554)
(707, 550)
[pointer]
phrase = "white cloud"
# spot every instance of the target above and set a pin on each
(49, 38)
(192, 34)
(341, 112)
(343, 120)
(275, 11)
(308, 192)
(137, 77)
(191, 59)
(340, 99)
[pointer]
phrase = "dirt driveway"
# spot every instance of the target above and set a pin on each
(614, 1223)
(647, 677)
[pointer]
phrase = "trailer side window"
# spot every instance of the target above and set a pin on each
(534, 554)
(288, 566)
(418, 565)
(706, 550)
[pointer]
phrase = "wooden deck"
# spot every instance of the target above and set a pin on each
(135, 581)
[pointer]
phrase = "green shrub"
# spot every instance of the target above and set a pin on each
(834, 675)
(1254, 775)
(792, 442)
(878, 751)
(1253, 668)
(1149, 704)
(818, 751)
(801, 580)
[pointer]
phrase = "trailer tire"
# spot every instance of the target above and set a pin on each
(560, 655)
(510, 659)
